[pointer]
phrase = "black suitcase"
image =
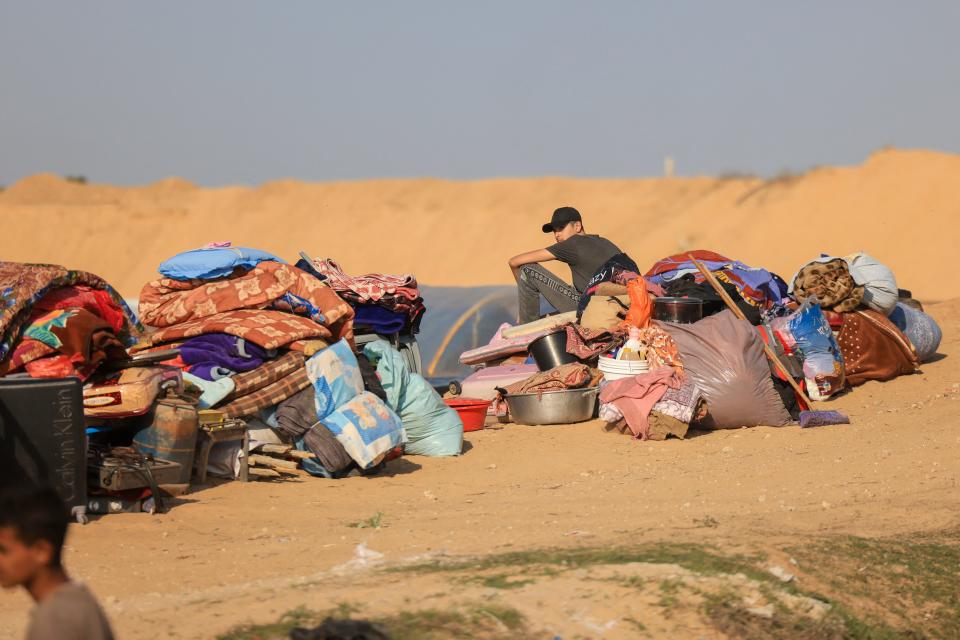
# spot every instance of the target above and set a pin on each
(43, 437)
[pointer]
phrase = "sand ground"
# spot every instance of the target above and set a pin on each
(234, 552)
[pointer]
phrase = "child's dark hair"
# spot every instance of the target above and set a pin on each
(35, 513)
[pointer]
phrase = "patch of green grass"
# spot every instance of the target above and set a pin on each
(913, 581)
(489, 621)
(730, 614)
(373, 522)
(699, 559)
(706, 521)
(501, 581)
(299, 617)
(875, 590)
(508, 616)
(636, 624)
(725, 613)
(633, 582)
(426, 623)
(344, 610)
(669, 595)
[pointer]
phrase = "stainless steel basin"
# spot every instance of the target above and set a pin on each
(553, 407)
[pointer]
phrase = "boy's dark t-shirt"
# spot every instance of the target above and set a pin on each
(585, 254)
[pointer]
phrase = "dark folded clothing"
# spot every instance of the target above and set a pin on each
(330, 453)
(371, 381)
(297, 418)
(297, 414)
(377, 319)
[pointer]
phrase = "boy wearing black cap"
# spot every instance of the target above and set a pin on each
(584, 253)
(33, 525)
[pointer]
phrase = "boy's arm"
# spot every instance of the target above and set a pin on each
(530, 257)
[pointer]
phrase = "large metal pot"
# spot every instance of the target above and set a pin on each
(553, 407)
(550, 351)
(678, 310)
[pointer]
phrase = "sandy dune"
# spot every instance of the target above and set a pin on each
(900, 206)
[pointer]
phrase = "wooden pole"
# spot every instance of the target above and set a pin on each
(271, 462)
(739, 313)
(276, 449)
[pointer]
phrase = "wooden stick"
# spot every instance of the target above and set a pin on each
(257, 472)
(277, 449)
(296, 454)
(267, 461)
(294, 472)
(739, 313)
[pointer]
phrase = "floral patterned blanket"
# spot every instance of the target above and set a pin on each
(23, 285)
(167, 303)
(267, 328)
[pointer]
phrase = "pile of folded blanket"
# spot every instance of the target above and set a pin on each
(382, 303)
(56, 323)
(244, 323)
(273, 344)
(258, 323)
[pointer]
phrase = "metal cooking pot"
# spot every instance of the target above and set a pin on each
(550, 351)
(553, 407)
(678, 310)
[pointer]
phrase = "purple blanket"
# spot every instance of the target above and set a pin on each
(217, 355)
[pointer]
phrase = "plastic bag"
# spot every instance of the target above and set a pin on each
(641, 306)
(724, 357)
(920, 328)
(433, 428)
(335, 374)
(822, 360)
(880, 291)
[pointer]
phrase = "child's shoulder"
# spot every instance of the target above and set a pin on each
(72, 606)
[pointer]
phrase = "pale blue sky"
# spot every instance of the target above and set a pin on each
(225, 92)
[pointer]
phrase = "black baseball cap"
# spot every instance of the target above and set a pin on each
(561, 218)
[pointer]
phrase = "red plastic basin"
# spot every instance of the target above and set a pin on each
(472, 411)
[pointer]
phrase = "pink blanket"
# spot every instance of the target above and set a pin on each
(635, 397)
(500, 347)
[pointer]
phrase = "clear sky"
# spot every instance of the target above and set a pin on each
(224, 92)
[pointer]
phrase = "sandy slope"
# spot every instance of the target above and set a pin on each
(901, 206)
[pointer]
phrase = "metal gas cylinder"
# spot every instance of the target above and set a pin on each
(173, 434)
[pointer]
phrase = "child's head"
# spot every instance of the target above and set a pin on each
(33, 524)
